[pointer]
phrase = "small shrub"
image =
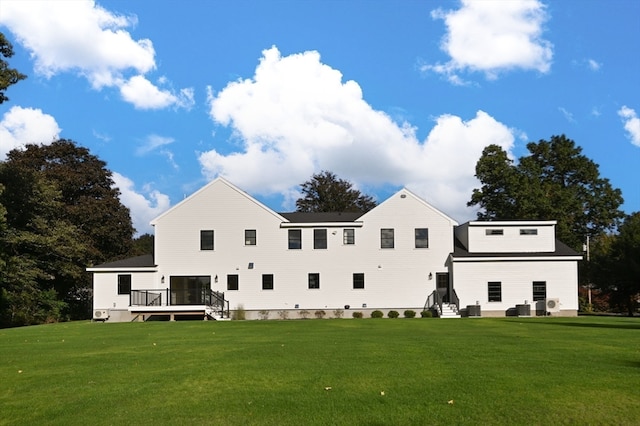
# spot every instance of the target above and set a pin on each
(338, 313)
(377, 314)
(320, 314)
(409, 313)
(239, 313)
(357, 314)
(393, 314)
(283, 315)
(264, 314)
(304, 314)
(426, 314)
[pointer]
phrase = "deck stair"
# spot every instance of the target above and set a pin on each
(449, 311)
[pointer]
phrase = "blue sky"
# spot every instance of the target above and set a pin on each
(385, 94)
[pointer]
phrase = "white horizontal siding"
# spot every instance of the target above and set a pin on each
(511, 241)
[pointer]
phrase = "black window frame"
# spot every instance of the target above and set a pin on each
(250, 237)
(233, 280)
(358, 281)
(314, 281)
(421, 241)
(494, 231)
(529, 231)
(319, 239)
(348, 236)
(124, 283)
(267, 281)
(539, 290)
(494, 291)
(207, 238)
(295, 239)
(387, 241)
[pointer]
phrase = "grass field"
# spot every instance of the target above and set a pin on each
(324, 372)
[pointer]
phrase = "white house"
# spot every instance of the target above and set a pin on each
(220, 250)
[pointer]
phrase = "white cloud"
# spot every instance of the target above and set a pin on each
(296, 117)
(145, 95)
(21, 126)
(631, 124)
(568, 115)
(152, 142)
(81, 36)
(493, 36)
(144, 207)
(594, 65)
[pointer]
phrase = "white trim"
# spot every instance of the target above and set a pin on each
(123, 269)
(321, 224)
(515, 258)
(513, 223)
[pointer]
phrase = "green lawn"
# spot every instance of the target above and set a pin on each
(325, 372)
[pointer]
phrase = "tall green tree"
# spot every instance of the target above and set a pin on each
(8, 76)
(88, 208)
(325, 192)
(554, 182)
(41, 251)
(617, 268)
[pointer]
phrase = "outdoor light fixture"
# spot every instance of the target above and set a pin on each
(430, 275)
(215, 279)
(162, 279)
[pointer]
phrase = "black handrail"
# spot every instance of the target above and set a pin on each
(212, 299)
(434, 299)
(453, 298)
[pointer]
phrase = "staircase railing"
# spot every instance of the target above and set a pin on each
(454, 300)
(434, 299)
(212, 299)
(216, 300)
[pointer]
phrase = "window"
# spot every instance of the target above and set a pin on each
(232, 282)
(189, 290)
(539, 290)
(319, 238)
(495, 291)
(124, 284)
(528, 232)
(494, 232)
(314, 281)
(250, 237)
(295, 239)
(386, 238)
(358, 281)
(206, 240)
(348, 236)
(267, 281)
(422, 238)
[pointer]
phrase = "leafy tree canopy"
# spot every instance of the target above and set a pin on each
(8, 76)
(324, 192)
(62, 214)
(554, 182)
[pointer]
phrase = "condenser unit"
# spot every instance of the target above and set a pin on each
(552, 305)
(101, 314)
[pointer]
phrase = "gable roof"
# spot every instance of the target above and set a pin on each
(217, 181)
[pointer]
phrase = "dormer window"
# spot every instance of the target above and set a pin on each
(530, 231)
(494, 231)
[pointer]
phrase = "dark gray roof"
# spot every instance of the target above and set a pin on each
(144, 261)
(561, 250)
(321, 217)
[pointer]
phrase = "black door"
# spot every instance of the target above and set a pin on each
(442, 285)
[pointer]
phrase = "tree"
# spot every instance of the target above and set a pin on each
(86, 217)
(326, 193)
(40, 250)
(8, 76)
(617, 269)
(554, 182)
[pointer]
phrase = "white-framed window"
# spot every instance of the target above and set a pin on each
(348, 236)
(494, 290)
(206, 240)
(422, 237)
(529, 231)
(314, 281)
(295, 239)
(494, 231)
(386, 238)
(319, 239)
(250, 237)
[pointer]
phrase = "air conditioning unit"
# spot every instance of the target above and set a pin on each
(101, 314)
(552, 305)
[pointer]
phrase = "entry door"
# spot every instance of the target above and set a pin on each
(442, 285)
